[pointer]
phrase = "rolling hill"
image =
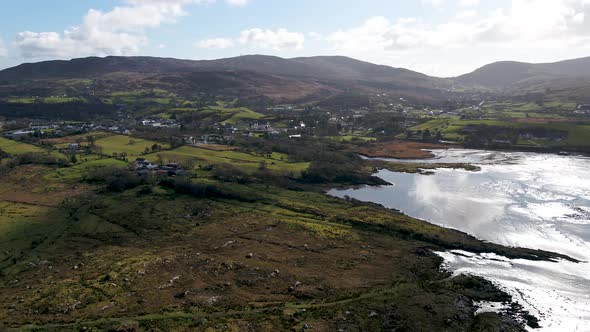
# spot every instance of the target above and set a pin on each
(245, 76)
(323, 68)
(506, 74)
(278, 80)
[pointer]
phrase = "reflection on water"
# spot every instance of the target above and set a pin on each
(557, 293)
(518, 199)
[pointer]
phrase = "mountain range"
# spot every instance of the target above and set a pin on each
(505, 74)
(296, 79)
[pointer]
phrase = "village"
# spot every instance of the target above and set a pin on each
(384, 118)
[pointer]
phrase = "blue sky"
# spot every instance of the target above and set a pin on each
(437, 37)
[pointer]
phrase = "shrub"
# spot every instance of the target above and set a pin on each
(187, 187)
(4, 154)
(35, 158)
(349, 173)
(117, 179)
(230, 173)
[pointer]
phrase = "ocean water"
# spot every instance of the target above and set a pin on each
(538, 201)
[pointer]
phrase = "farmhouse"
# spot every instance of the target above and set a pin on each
(171, 169)
(74, 147)
(160, 123)
(260, 127)
(42, 127)
(19, 134)
(190, 140)
(144, 164)
(583, 109)
(211, 139)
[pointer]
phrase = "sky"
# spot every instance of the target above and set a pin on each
(436, 37)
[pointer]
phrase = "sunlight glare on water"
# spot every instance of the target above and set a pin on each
(538, 201)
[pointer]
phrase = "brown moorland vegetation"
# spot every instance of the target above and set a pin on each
(252, 257)
(399, 149)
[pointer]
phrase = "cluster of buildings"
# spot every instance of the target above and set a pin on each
(583, 109)
(160, 123)
(205, 139)
(144, 166)
(72, 148)
(56, 130)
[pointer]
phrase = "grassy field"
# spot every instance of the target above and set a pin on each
(217, 147)
(232, 115)
(349, 138)
(23, 227)
(220, 113)
(64, 141)
(63, 100)
(577, 135)
(241, 114)
(47, 100)
(519, 109)
(76, 81)
(22, 100)
(434, 125)
(14, 147)
(77, 172)
(245, 161)
(146, 97)
(132, 146)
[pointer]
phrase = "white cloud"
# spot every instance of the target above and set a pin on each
(541, 28)
(3, 51)
(77, 42)
(436, 3)
(469, 3)
(216, 43)
(315, 35)
(278, 40)
(238, 2)
(468, 13)
(184, 2)
(116, 32)
(167, 2)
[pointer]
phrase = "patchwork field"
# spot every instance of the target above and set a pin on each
(63, 100)
(434, 124)
(64, 141)
(47, 100)
(219, 113)
(14, 147)
(144, 97)
(132, 146)
(77, 172)
(350, 138)
(245, 161)
(577, 134)
(521, 108)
